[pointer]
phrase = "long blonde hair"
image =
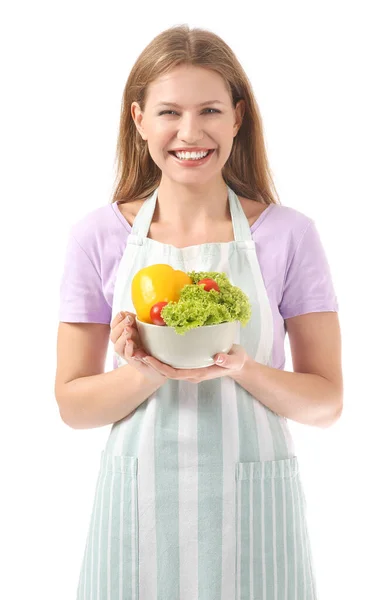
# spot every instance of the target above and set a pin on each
(246, 171)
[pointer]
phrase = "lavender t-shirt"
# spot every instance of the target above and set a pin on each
(292, 259)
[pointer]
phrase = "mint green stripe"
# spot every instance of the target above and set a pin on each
(307, 587)
(263, 537)
(238, 545)
(166, 491)
(310, 572)
(132, 434)
(248, 434)
(245, 538)
(239, 264)
(210, 489)
(126, 469)
(305, 578)
(286, 503)
(269, 511)
(279, 442)
(133, 494)
(309, 559)
(258, 540)
(94, 536)
(280, 483)
(302, 590)
(115, 559)
(251, 508)
(101, 542)
(292, 542)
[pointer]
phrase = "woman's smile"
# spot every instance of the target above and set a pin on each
(194, 159)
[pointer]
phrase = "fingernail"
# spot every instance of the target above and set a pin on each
(121, 314)
(128, 319)
(219, 359)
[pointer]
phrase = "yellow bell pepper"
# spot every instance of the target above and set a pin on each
(156, 283)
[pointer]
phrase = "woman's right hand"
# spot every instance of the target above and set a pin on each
(127, 344)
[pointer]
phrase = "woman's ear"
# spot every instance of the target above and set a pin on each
(239, 115)
(137, 115)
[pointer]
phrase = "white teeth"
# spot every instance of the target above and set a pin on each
(191, 155)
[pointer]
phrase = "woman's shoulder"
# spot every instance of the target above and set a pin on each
(99, 222)
(281, 219)
(94, 232)
(280, 230)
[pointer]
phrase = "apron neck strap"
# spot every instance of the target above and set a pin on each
(241, 229)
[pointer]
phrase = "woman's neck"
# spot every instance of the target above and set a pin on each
(184, 206)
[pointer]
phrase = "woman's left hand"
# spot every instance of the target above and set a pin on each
(225, 366)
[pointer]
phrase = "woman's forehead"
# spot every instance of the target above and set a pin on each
(193, 86)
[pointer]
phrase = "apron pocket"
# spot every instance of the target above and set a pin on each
(111, 564)
(273, 558)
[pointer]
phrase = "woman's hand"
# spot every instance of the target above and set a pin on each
(127, 344)
(226, 365)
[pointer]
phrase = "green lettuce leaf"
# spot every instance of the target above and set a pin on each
(197, 308)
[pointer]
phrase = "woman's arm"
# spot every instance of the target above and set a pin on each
(313, 393)
(87, 396)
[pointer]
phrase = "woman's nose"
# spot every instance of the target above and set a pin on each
(189, 129)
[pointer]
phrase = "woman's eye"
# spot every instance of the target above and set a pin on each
(167, 112)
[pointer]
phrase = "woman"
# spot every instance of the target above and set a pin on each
(198, 495)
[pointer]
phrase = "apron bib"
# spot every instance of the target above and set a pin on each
(198, 495)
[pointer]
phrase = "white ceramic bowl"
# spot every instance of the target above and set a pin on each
(193, 350)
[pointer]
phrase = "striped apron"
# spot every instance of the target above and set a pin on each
(198, 495)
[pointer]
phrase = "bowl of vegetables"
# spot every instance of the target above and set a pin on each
(185, 319)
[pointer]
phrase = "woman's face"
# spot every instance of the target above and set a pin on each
(189, 108)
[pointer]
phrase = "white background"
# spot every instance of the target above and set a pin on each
(316, 71)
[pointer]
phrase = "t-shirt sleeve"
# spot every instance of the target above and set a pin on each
(81, 298)
(308, 285)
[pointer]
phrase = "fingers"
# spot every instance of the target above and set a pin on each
(119, 346)
(119, 323)
(129, 334)
(128, 349)
(118, 318)
(124, 334)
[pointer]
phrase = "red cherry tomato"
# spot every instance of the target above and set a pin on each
(209, 284)
(155, 313)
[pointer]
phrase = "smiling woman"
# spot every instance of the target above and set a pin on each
(198, 139)
(199, 493)
(199, 87)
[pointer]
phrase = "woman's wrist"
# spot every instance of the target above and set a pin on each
(239, 375)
